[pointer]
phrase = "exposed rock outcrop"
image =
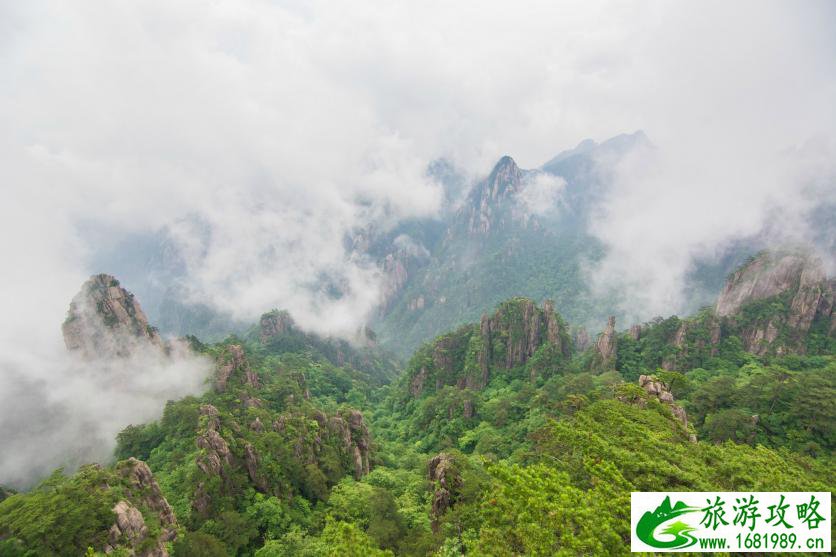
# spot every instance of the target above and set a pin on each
(233, 363)
(105, 320)
(797, 282)
(356, 440)
(581, 339)
(251, 462)
(129, 530)
(605, 346)
(395, 275)
(273, 324)
(765, 276)
(507, 339)
(658, 389)
(678, 342)
(447, 483)
(517, 330)
(214, 458)
(504, 181)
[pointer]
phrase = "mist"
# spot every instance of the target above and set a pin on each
(260, 134)
(58, 410)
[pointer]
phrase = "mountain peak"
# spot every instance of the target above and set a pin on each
(503, 162)
(504, 181)
(105, 320)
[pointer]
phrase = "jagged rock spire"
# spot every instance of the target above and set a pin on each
(105, 320)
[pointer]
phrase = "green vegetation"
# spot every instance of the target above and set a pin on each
(536, 449)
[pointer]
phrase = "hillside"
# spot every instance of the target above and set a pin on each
(488, 443)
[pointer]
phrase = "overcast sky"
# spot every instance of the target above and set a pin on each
(283, 125)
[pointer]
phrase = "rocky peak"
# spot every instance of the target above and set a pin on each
(503, 182)
(795, 279)
(504, 178)
(274, 323)
(513, 334)
(662, 393)
(606, 345)
(129, 529)
(105, 320)
(768, 275)
(447, 481)
(232, 364)
(506, 339)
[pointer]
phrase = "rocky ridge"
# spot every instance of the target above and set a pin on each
(508, 338)
(130, 529)
(795, 279)
(447, 483)
(105, 320)
(662, 393)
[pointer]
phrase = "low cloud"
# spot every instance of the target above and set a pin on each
(260, 133)
(541, 194)
(59, 410)
(667, 208)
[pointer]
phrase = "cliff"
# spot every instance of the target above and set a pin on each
(105, 320)
(510, 338)
(774, 300)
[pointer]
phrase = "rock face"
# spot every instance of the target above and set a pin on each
(581, 339)
(129, 529)
(515, 332)
(356, 440)
(274, 323)
(503, 182)
(214, 458)
(606, 346)
(447, 482)
(233, 364)
(105, 320)
(507, 339)
(313, 438)
(766, 276)
(395, 275)
(658, 389)
(794, 280)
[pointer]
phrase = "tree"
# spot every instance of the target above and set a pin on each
(199, 544)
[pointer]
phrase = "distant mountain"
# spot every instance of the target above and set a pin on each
(518, 232)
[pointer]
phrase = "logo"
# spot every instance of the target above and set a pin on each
(680, 531)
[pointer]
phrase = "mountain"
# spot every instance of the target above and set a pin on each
(106, 320)
(119, 509)
(487, 443)
(517, 232)
(777, 303)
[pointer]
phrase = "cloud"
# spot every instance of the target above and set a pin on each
(541, 194)
(281, 126)
(273, 129)
(59, 410)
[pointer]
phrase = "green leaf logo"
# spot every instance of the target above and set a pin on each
(680, 531)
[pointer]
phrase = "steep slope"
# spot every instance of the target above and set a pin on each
(518, 232)
(777, 303)
(499, 244)
(119, 509)
(277, 332)
(106, 320)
